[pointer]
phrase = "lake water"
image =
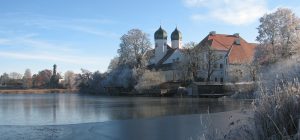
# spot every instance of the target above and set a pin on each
(54, 109)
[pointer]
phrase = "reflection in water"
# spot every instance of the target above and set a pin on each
(42, 109)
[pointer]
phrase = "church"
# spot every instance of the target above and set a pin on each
(232, 51)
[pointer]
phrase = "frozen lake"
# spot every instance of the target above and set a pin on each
(58, 109)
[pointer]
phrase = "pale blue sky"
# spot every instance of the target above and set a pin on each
(78, 34)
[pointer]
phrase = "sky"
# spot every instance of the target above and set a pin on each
(77, 34)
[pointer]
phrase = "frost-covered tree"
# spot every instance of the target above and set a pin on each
(27, 74)
(123, 76)
(114, 63)
(278, 35)
(70, 80)
(4, 79)
(27, 79)
(149, 80)
(133, 46)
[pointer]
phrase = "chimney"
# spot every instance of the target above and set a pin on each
(236, 35)
(237, 41)
(212, 33)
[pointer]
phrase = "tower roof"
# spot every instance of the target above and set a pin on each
(176, 35)
(160, 34)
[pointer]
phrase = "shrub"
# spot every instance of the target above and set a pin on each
(276, 112)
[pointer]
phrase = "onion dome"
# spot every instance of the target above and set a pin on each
(160, 34)
(176, 35)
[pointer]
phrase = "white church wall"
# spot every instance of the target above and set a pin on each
(160, 49)
(176, 56)
(177, 44)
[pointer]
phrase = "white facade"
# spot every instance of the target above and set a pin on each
(160, 49)
(177, 44)
(175, 57)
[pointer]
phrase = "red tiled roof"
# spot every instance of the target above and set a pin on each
(237, 54)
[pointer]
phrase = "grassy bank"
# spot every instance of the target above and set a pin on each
(36, 91)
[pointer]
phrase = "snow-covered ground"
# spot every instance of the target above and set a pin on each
(182, 127)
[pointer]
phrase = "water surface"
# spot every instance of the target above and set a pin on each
(53, 109)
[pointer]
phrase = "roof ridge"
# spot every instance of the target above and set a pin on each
(168, 54)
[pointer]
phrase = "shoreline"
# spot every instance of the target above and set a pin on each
(36, 91)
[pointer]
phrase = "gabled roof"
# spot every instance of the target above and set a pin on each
(237, 53)
(160, 64)
(240, 54)
(170, 51)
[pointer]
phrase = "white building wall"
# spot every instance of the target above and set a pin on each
(177, 44)
(176, 56)
(160, 49)
(172, 75)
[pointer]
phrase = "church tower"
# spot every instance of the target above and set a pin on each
(176, 39)
(160, 37)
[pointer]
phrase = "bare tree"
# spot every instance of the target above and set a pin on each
(211, 62)
(278, 35)
(196, 57)
(190, 61)
(42, 79)
(15, 75)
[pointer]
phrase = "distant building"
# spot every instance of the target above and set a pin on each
(164, 56)
(232, 50)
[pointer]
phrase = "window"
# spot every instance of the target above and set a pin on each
(221, 66)
(216, 79)
(221, 80)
